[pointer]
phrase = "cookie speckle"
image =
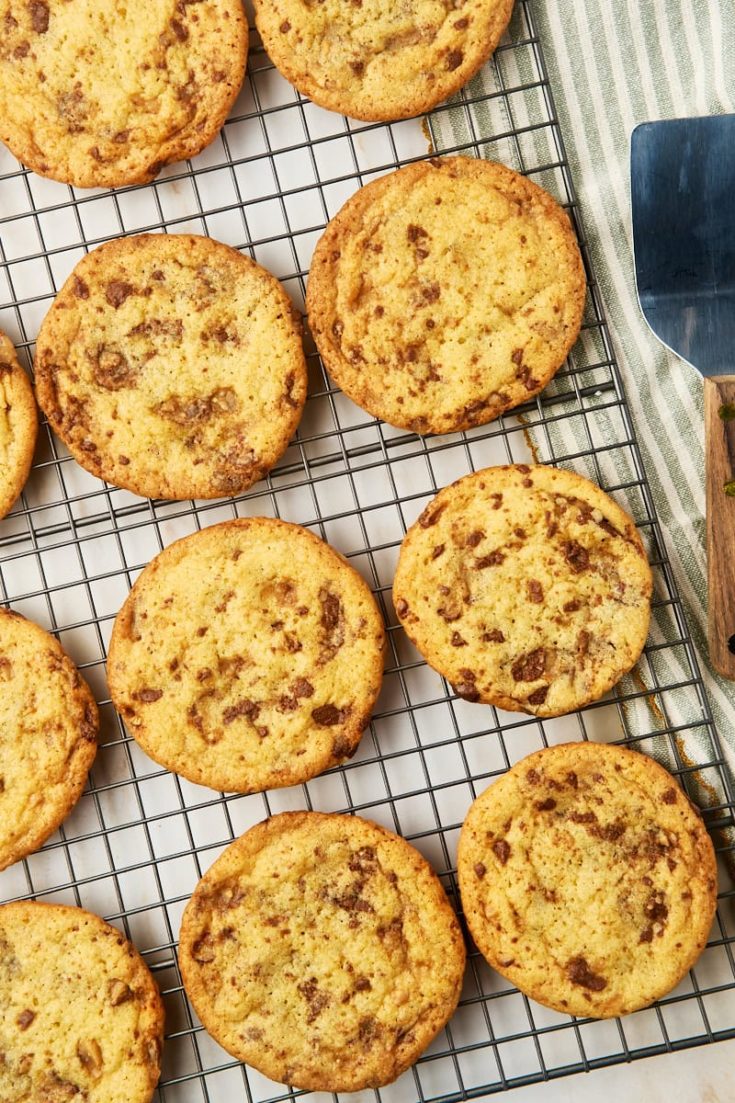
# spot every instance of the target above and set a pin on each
(529, 667)
(580, 973)
(148, 696)
(326, 716)
(25, 1019)
(576, 556)
(501, 850)
(547, 805)
(117, 291)
(39, 13)
(535, 591)
(538, 697)
(494, 559)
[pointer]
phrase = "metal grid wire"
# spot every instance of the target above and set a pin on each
(140, 837)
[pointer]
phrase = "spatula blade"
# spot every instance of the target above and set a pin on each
(683, 200)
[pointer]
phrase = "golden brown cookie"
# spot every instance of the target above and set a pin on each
(526, 587)
(445, 293)
(80, 1014)
(379, 61)
(172, 365)
(18, 426)
(248, 656)
(98, 94)
(48, 736)
(588, 879)
(322, 950)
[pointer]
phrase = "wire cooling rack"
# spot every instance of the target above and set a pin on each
(140, 837)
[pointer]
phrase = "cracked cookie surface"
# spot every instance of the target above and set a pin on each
(18, 426)
(588, 879)
(80, 1015)
(527, 587)
(48, 736)
(99, 93)
(322, 950)
(248, 656)
(171, 365)
(445, 293)
(378, 60)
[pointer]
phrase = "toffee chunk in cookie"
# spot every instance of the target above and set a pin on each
(588, 879)
(322, 950)
(527, 587)
(18, 426)
(98, 94)
(48, 736)
(445, 293)
(82, 1018)
(172, 365)
(248, 656)
(380, 61)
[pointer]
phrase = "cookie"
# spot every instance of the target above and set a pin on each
(18, 426)
(172, 365)
(379, 61)
(248, 656)
(588, 879)
(322, 950)
(80, 1015)
(526, 587)
(48, 736)
(445, 293)
(100, 95)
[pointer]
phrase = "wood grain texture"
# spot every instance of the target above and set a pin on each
(720, 459)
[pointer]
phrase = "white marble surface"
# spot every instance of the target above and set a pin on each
(702, 1075)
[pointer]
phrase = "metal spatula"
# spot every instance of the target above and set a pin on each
(683, 195)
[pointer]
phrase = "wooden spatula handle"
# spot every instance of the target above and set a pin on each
(719, 423)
